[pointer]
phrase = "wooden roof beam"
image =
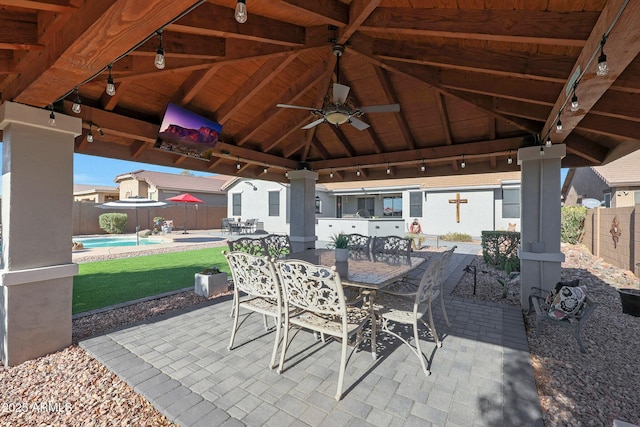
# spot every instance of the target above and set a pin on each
(444, 118)
(178, 45)
(387, 86)
(359, 11)
(346, 145)
(194, 83)
(622, 47)
(58, 6)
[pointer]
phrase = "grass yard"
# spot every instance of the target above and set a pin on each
(105, 283)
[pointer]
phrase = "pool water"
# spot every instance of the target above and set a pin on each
(108, 242)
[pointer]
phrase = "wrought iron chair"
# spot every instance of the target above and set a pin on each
(408, 287)
(276, 245)
(247, 245)
(391, 249)
(392, 309)
(256, 277)
(359, 246)
(314, 300)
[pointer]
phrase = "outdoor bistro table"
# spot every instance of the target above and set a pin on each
(361, 272)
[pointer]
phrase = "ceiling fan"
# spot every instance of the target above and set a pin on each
(337, 107)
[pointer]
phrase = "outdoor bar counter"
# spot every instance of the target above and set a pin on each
(326, 227)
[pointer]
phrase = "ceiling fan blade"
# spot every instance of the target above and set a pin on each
(296, 106)
(388, 108)
(340, 93)
(358, 124)
(313, 123)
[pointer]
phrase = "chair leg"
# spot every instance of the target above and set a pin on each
(343, 364)
(432, 327)
(234, 329)
(285, 344)
(577, 335)
(374, 354)
(272, 363)
(419, 350)
(444, 310)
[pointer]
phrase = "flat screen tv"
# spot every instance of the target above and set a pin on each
(187, 133)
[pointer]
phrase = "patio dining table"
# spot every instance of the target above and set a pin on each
(361, 272)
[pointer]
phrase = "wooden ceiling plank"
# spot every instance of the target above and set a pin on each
(586, 149)
(387, 86)
(103, 31)
(19, 35)
(214, 163)
(444, 118)
(257, 157)
(194, 83)
(333, 11)
(622, 47)
(181, 44)
(490, 61)
(348, 148)
(509, 25)
(321, 149)
(138, 147)
(258, 80)
(284, 133)
(58, 6)
(214, 20)
(610, 126)
(290, 96)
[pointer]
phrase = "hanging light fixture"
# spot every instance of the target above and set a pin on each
(266, 169)
(241, 11)
(548, 141)
(559, 125)
(423, 167)
(463, 164)
(542, 150)
(286, 173)
(238, 164)
(603, 68)
(358, 171)
(159, 60)
(509, 159)
(90, 134)
(76, 101)
(331, 173)
(111, 87)
(574, 99)
(388, 169)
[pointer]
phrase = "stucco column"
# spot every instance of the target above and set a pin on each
(540, 255)
(36, 279)
(303, 214)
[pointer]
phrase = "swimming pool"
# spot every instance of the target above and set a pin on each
(113, 241)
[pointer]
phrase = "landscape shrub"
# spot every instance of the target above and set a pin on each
(572, 223)
(456, 237)
(113, 223)
(500, 249)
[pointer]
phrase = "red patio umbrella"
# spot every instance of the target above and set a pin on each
(185, 198)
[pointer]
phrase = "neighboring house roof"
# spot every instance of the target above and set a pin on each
(177, 182)
(89, 189)
(621, 172)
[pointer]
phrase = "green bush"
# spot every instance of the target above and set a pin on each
(456, 237)
(500, 249)
(113, 223)
(572, 223)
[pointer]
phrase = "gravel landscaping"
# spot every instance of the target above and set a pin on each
(71, 388)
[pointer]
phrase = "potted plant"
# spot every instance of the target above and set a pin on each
(340, 242)
(211, 281)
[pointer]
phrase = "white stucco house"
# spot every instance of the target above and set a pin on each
(463, 204)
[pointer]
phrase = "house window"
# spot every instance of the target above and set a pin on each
(415, 204)
(366, 204)
(318, 205)
(237, 204)
(636, 197)
(274, 203)
(511, 203)
(607, 200)
(392, 206)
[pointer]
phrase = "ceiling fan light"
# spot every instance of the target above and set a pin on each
(336, 117)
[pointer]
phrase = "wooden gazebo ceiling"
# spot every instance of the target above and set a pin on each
(479, 78)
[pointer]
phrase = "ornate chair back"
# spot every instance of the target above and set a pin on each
(253, 275)
(391, 249)
(359, 246)
(276, 245)
(247, 245)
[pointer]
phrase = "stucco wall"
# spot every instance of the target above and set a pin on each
(439, 216)
(598, 237)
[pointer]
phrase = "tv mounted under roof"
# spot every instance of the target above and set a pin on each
(187, 133)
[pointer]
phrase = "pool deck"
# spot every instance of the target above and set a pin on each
(482, 375)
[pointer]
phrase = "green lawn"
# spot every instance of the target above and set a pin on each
(105, 283)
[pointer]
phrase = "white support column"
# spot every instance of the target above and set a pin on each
(36, 280)
(540, 255)
(302, 204)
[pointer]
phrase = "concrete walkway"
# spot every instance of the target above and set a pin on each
(481, 376)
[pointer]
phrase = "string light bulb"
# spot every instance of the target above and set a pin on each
(603, 68)
(111, 87)
(265, 170)
(542, 150)
(286, 173)
(423, 167)
(52, 118)
(331, 173)
(388, 169)
(241, 11)
(358, 172)
(90, 134)
(463, 164)
(76, 102)
(238, 164)
(559, 126)
(548, 141)
(574, 100)
(509, 159)
(159, 60)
